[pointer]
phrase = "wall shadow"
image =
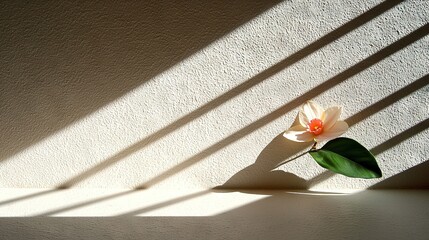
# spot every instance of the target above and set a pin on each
(412, 178)
(62, 61)
(261, 175)
(410, 132)
(389, 100)
(259, 78)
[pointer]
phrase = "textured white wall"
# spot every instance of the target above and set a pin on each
(197, 94)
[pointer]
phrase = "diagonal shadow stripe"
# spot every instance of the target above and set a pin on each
(166, 203)
(30, 196)
(227, 96)
(95, 58)
(341, 77)
(387, 101)
(416, 129)
(116, 195)
(87, 203)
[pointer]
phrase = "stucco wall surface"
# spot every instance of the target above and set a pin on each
(196, 94)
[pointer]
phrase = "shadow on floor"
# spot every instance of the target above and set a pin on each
(281, 215)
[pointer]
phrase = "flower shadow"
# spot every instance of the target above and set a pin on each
(260, 175)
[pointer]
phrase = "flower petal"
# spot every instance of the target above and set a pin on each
(303, 119)
(311, 110)
(298, 134)
(339, 128)
(330, 116)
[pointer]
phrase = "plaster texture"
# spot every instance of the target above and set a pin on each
(196, 94)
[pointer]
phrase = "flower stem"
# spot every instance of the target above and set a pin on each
(313, 148)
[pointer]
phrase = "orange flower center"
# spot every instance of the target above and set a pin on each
(315, 126)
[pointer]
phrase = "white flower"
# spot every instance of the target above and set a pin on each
(316, 124)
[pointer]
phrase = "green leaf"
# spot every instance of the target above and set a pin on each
(348, 157)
